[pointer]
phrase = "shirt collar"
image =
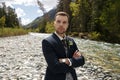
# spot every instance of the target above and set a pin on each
(61, 38)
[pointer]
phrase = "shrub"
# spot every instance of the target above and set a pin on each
(74, 34)
(49, 27)
(95, 35)
(12, 32)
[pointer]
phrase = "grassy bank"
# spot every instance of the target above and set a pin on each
(13, 32)
(108, 61)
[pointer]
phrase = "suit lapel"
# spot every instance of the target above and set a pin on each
(60, 46)
(59, 42)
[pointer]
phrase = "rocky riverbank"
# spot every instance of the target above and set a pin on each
(21, 58)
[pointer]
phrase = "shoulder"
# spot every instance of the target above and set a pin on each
(70, 38)
(48, 39)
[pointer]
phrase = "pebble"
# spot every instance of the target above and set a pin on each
(21, 58)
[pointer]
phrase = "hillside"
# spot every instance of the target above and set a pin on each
(38, 20)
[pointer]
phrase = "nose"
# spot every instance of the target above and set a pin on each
(61, 23)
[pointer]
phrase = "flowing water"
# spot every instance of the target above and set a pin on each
(103, 54)
(21, 58)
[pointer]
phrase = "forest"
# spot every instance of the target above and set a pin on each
(10, 24)
(99, 18)
(89, 19)
(8, 17)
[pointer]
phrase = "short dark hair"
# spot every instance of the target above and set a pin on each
(62, 14)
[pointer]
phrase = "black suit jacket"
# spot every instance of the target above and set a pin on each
(53, 50)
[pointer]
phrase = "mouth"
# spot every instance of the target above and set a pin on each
(62, 29)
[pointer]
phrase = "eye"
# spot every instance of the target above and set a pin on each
(64, 22)
(58, 21)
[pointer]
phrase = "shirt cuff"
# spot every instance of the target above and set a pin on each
(70, 62)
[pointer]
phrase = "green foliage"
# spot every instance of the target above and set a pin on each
(2, 22)
(81, 15)
(74, 8)
(64, 5)
(10, 16)
(42, 26)
(49, 27)
(75, 21)
(110, 22)
(74, 34)
(95, 35)
(103, 22)
(12, 32)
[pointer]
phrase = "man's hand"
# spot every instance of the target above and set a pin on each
(76, 54)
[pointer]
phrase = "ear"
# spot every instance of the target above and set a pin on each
(68, 25)
(54, 23)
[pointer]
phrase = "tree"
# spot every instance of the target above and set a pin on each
(110, 21)
(3, 9)
(75, 21)
(64, 5)
(11, 19)
(2, 22)
(45, 16)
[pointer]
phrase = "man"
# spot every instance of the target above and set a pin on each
(61, 52)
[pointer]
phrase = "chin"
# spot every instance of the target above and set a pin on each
(60, 32)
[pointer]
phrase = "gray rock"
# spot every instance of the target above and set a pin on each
(21, 58)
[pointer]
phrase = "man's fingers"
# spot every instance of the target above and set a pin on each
(77, 55)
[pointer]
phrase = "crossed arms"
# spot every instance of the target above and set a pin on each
(67, 61)
(55, 64)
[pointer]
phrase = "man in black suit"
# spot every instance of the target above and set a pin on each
(61, 52)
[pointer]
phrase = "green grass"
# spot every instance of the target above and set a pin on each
(12, 32)
(108, 61)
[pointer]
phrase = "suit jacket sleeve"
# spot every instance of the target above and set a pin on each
(52, 60)
(79, 61)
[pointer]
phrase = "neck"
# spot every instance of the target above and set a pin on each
(61, 34)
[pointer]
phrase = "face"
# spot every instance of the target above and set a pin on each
(61, 24)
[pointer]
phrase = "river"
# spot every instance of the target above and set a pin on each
(21, 58)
